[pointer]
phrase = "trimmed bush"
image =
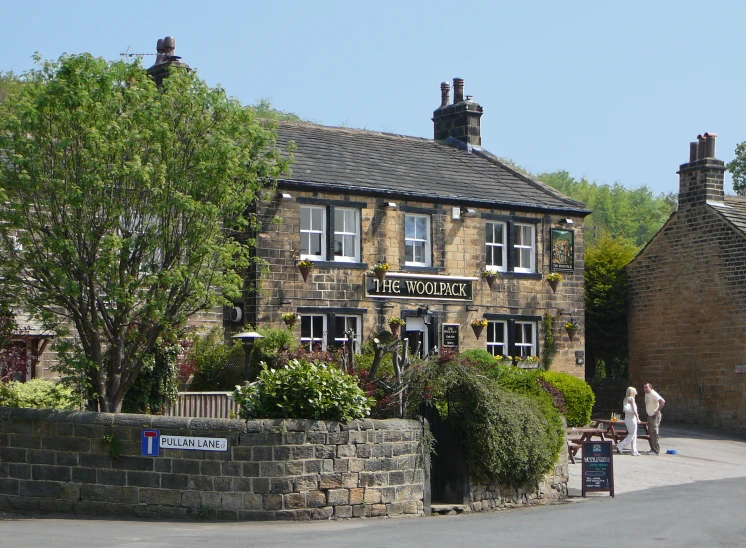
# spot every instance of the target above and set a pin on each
(38, 394)
(303, 390)
(212, 359)
(578, 396)
(481, 358)
(276, 340)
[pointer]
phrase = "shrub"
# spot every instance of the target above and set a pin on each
(481, 358)
(578, 395)
(303, 390)
(212, 360)
(509, 438)
(156, 386)
(267, 349)
(38, 394)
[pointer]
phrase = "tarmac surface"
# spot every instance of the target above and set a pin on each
(702, 455)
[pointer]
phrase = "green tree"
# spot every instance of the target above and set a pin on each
(606, 305)
(126, 207)
(737, 167)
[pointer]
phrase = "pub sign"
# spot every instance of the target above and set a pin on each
(417, 286)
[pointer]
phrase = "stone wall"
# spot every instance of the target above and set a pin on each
(687, 319)
(91, 464)
(458, 250)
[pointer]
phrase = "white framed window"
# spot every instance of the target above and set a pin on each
(313, 331)
(342, 324)
(525, 248)
(525, 339)
(346, 235)
(497, 338)
(313, 233)
(497, 255)
(417, 240)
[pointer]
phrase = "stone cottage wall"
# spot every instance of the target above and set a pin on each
(91, 464)
(458, 250)
(687, 319)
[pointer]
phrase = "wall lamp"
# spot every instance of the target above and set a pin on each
(472, 308)
(387, 305)
(565, 222)
(468, 212)
(390, 205)
(285, 301)
(286, 197)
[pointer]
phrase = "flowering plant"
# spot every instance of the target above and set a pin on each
(479, 322)
(289, 317)
(304, 262)
(572, 325)
(490, 273)
(526, 359)
(381, 267)
(554, 277)
(396, 321)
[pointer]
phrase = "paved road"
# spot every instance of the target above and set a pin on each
(687, 507)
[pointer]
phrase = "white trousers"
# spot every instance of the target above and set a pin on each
(631, 422)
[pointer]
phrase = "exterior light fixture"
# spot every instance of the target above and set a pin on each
(391, 205)
(247, 338)
(469, 212)
(565, 222)
(286, 197)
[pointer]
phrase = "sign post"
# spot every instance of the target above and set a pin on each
(598, 467)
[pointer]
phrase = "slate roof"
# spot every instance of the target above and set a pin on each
(734, 210)
(382, 163)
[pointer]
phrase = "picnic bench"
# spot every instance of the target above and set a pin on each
(576, 437)
(616, 431)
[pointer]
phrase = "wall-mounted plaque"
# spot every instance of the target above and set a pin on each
(450, 337)
(563, 249)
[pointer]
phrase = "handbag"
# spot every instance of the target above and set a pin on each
(628, 407)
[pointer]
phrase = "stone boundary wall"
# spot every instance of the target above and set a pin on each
(91, 464)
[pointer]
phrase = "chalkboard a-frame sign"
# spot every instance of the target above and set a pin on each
(598, 467)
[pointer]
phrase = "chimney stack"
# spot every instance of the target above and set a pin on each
(701, 179)
(460, 120)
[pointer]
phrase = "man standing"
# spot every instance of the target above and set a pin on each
(653, 405)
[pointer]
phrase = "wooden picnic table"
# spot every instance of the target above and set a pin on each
(616, 431)
(576, 437)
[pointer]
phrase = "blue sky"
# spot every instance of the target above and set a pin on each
(610, 92)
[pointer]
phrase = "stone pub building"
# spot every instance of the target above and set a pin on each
(440, 212)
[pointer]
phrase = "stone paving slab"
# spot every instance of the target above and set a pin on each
(701, 455)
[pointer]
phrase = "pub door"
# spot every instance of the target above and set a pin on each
(417, 333)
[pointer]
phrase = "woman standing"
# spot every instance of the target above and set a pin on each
(631, 419)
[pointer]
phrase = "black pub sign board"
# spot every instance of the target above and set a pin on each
(598, 467)
(416, 286)
(450, 336)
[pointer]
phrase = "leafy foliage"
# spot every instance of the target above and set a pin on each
(303, 390)
(38, 394)
(268, 349)
(606, 302)
(161, 180)
(577, 393)
(156, 387)
(211, 359)
(13, 356)
(737, 167)
(508, 438)
(634, 215)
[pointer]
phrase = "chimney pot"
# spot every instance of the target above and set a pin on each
(693, 151)
(445, 94)
(710, 145)
(458, 90)
(700, 147)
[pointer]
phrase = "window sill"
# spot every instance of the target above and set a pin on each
(522, 275)
(340, 264)
(422, 269)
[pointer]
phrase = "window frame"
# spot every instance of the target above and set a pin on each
(356, 235)
(517, 248)
(492, 326)
(312, 339)
(428, 240)
(323, 232)
(357, 340)
(503, 245)
(519, 346)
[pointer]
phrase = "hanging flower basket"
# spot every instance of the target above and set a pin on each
(553, 279)
(305, 267)
(490, 276)
(571, 327)
(290, 319)
(395, 325)
(478, 326)
(380, 270)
